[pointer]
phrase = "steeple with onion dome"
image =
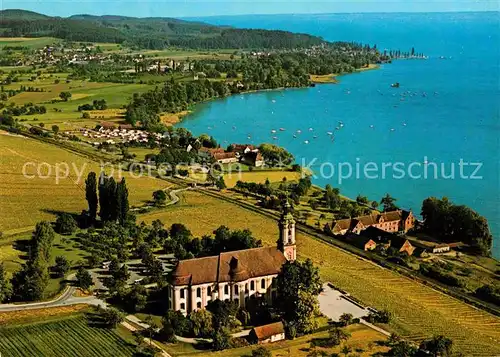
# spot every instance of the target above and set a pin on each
(286, 241)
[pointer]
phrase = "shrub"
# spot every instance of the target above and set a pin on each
(261, 352)
(65, 224)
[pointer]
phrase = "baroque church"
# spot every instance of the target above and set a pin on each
(233, 276)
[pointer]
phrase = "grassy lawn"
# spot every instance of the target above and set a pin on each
(363, 341)
(30, 200)
(419, 311)
(67, 336)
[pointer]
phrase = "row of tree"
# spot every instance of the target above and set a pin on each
(113, 198)
(456, 223)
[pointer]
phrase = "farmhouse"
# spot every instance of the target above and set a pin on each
(233, 276)
(268, 333)
(394, 221)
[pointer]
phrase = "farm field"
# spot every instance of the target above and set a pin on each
(30, 200)
(30, 42)
(259, 177)
(420, 312)
(70, 336)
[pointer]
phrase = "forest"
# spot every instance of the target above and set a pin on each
(148, 33)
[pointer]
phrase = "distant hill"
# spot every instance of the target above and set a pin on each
(21, 15)
(151, 33)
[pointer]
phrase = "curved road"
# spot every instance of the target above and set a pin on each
(65, 299)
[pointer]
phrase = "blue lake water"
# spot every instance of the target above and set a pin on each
(457, 119)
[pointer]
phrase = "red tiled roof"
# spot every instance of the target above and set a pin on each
(242, 147)
(266, 331)
(342, 224)
(224, 155)
(251, 263)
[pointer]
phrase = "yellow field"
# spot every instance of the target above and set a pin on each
(420, 312)
(173, 118)
(361, 338)
(259, 177)
(24, 201)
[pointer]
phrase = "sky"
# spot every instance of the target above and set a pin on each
(198, 8)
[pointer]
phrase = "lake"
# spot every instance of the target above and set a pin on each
(430, 134)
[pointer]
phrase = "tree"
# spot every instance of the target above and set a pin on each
(298, 287)
(42, 240)
(66, 224)
(55, 129)
(306, 311)
(5, 285)
(112, 316)
(118, 280)
(374, 204)
(438, 346)
(221, 339)
(159, 198)
(84, 279)
(362, 200)
(122, 204)
(174, 323)
(261, 352)
(152, 327)
(456, 223)
(137, 298)
(62, 266)
(221, 313)
(220, 184)
(65, 96)
(30, 281)
(345, 319)
(91, 194)
(402, 349)
(388, 202)
(201, 321)
(337, 336)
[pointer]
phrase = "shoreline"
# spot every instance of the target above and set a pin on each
(332, 77)
(171, 119)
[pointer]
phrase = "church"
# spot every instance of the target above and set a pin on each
(233, 276)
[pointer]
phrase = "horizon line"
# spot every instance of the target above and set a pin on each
(270, 14)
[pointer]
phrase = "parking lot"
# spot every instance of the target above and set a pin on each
(333, 303)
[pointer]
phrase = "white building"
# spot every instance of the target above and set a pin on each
(232, 276)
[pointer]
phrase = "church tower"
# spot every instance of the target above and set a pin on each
(286, 241)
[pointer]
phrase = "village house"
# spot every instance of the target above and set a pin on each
(388, 239)
(225, 157)
(208, 153)
(393, 222)
(362, 242)
(254, 159)
(268, 333)
(232, 276)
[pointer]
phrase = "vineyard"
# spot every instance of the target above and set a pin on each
(419, 311)
(67, 337)
(33, 197)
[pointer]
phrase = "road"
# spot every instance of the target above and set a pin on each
(173, 200)
(66, 298)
